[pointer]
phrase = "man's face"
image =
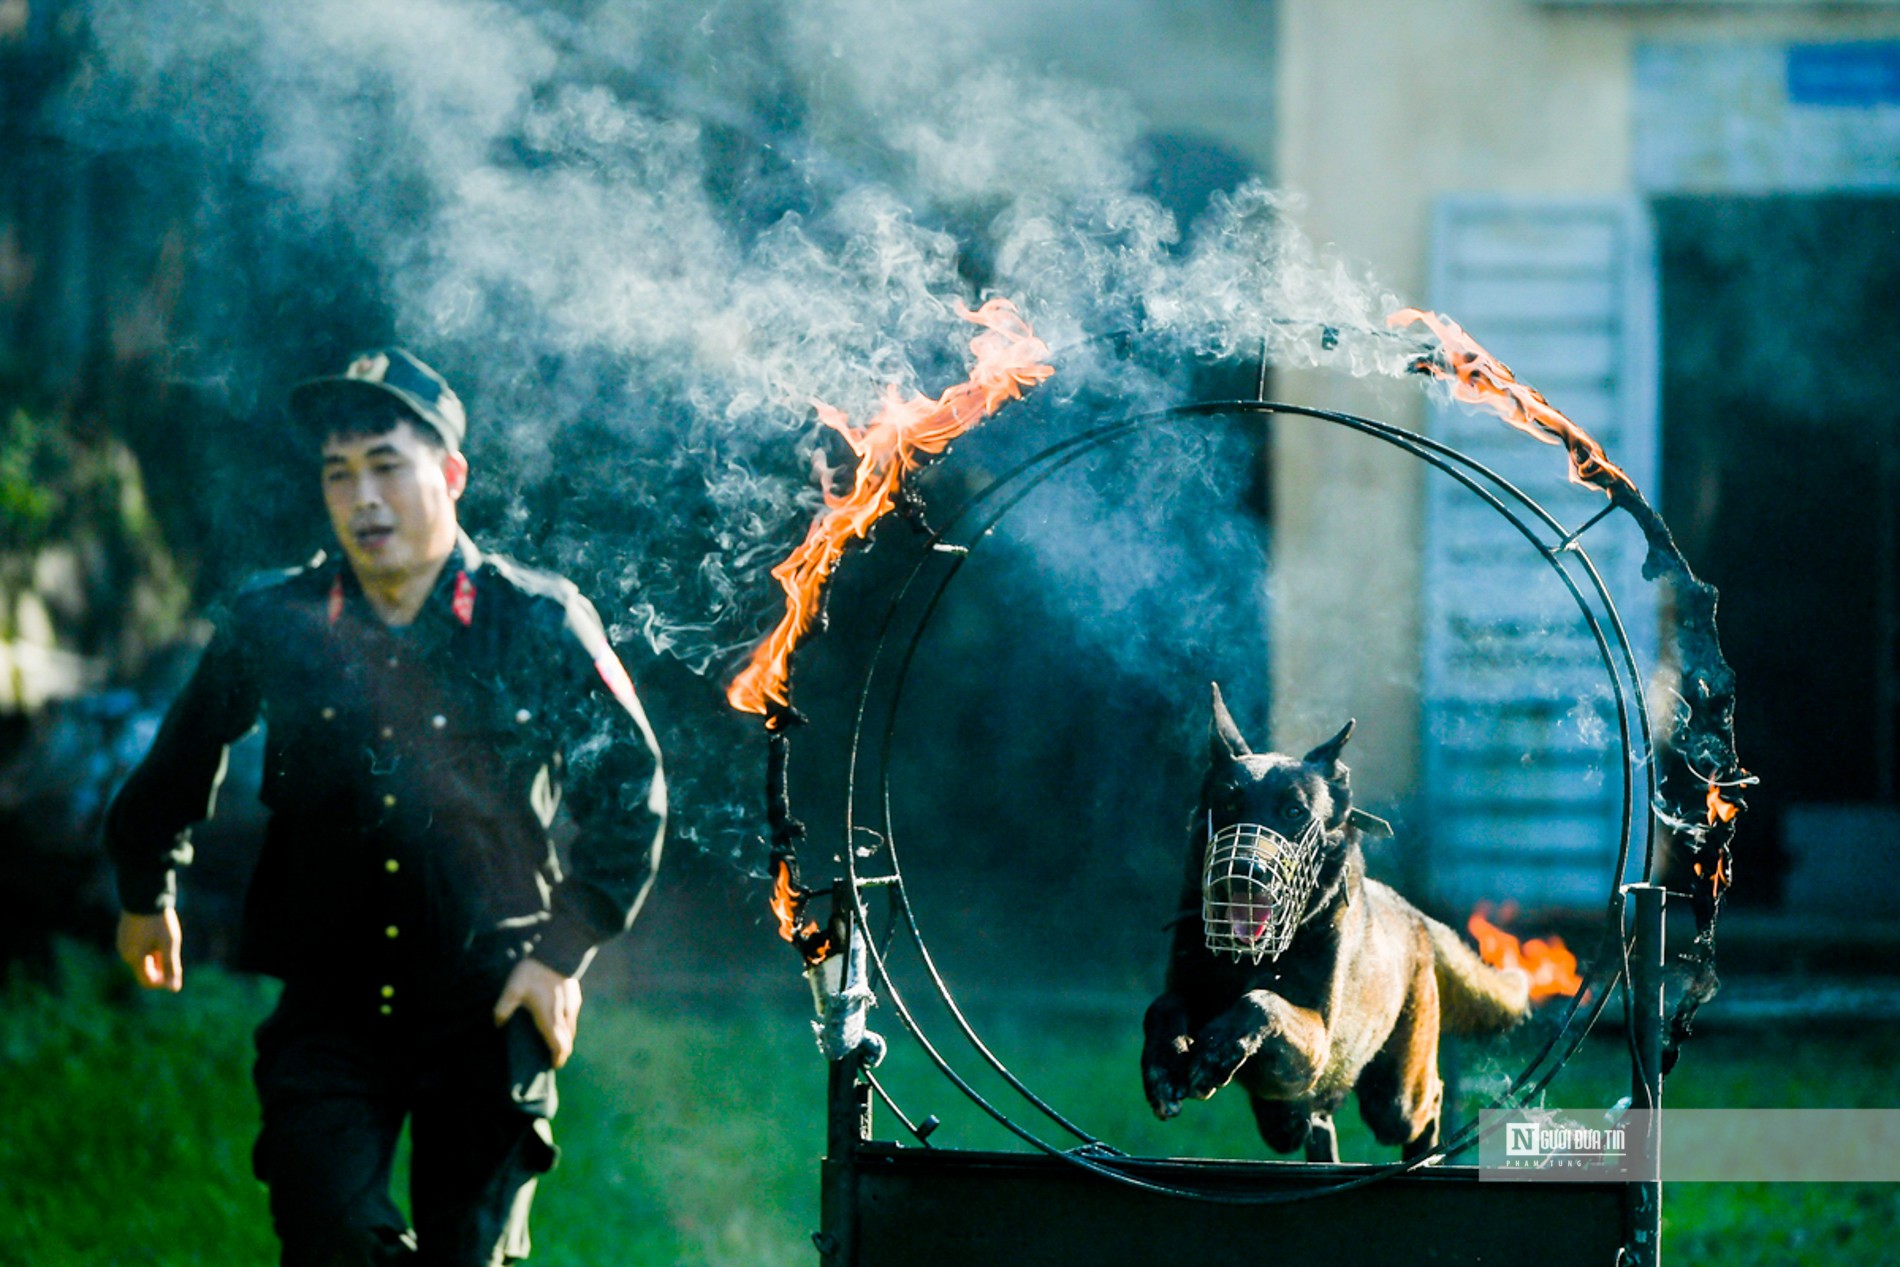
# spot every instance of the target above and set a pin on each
(391, 499)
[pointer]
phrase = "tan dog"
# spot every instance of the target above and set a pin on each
(1299, 977)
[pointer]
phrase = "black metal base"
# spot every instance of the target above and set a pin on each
(887, 1205)
(947, 1208)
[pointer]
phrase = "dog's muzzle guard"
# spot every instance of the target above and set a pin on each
(1255, 886)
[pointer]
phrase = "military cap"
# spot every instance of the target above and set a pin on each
(381, 375)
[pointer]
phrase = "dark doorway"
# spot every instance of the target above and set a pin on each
(1781, 414)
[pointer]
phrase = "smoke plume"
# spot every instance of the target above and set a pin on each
(641, 237)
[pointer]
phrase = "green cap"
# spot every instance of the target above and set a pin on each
(378, 376)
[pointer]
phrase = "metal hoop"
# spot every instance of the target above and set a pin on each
(1007, 492)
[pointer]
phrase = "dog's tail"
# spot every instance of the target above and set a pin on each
(1474, 997)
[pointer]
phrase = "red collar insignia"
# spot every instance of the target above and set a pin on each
(464, 601)
(336, 599)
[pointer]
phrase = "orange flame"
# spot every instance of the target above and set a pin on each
(1720, 811)
(1478, 378)
(1008, 359)
(784, 902)
(788, 903)
(1547, 961)
(1717, 878)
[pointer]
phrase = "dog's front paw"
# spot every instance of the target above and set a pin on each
(1219, 1053)
(1165, 1091)
(1164, 1056)
(1164, 1074)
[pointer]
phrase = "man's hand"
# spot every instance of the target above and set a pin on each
(149, 944)
(554, 1001)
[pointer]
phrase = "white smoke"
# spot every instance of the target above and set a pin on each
(642, 236)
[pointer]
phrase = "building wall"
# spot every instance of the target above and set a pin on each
(1385, 105)
(1188, 66)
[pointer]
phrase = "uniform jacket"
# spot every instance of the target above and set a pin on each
(412, 776)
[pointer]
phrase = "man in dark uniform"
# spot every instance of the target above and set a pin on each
(427, 709)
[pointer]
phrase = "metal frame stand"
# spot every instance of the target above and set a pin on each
(848, 1119)
(1647, 961)
(886, 1204)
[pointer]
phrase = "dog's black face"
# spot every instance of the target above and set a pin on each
(1305, 799)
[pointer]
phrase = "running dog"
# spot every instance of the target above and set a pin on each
(1296, 975)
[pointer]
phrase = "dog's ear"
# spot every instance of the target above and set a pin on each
(1224, 741)
(1326, 756)
(1370, 824)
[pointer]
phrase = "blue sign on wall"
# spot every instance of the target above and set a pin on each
(1860, 74)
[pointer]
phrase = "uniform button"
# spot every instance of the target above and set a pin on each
(391, 932)
(329, 714)
(389, 732)
(389, 800)
(438, 721)
(391, 865)
(389, 991)
(392, 662)
(385, 1009)
(523, 716)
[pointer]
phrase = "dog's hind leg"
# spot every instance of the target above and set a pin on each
(1400, 1099)
(1283, 1126)
(1400, 1093)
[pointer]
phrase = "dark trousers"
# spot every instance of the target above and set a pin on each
(335, 1091)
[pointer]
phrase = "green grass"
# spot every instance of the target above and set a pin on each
(688, 1138)
(1770, 1224)
(691, 1132)
(127, 1138)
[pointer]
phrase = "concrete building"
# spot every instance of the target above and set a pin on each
(1676, 220)
(1654, 212)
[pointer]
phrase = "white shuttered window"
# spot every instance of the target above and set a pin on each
(1523, 793)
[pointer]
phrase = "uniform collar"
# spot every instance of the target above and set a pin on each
(452, 601)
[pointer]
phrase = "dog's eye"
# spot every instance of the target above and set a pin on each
(1292, 811)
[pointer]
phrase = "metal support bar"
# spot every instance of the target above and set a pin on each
(847, 1124)
(1571, 538)
(1647, 902)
